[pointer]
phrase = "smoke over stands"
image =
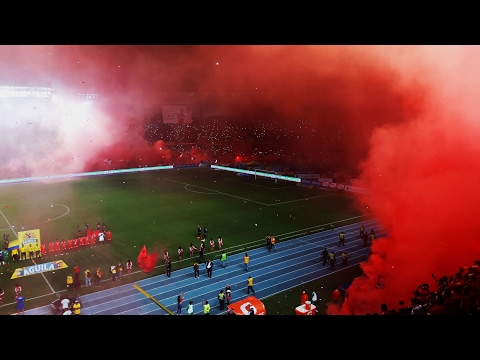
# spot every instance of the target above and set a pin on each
(336, 95)
(405, 116)
(424, 176)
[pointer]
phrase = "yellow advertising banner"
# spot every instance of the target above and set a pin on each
(38, 269)
(26, 238)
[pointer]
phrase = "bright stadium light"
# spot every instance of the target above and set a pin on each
(93, 173)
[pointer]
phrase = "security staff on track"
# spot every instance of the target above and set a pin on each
(206, 308)
(332, 260)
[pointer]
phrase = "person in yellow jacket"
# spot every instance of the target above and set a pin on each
(250, 285)
(76, 307)
(246, 260)
(23, 252)
(69, 282)
(37, 250)
(15, 255)
(206, 308)
(332, 260)
(31, 251)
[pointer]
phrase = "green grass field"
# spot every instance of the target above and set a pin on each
(160, 209)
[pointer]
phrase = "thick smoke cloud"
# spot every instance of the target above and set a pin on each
(424, 175)
(344, 92)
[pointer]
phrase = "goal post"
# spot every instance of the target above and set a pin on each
(266, 174)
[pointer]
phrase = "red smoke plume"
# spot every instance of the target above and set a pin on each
(424, 175)
(407, 114)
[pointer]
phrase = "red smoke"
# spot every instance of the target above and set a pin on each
(406, 114)
(424, 175)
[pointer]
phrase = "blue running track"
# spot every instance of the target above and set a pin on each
(294, 262)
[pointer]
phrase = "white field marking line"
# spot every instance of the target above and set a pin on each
(218, 192)
(264, 187)
(43, 222)
(11, 227)
(199, 192)
(290, 201)
(186, 259)
(155, 293)
(314, 267)
(51, 288)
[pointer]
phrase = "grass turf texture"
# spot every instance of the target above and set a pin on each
(159, 209)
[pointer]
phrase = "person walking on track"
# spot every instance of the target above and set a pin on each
(250, 286)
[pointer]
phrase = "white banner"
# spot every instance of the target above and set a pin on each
(177, 114)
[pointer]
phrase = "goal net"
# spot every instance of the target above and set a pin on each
(266, 174)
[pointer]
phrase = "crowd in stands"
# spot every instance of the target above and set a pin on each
(457, 294)
(287, 142)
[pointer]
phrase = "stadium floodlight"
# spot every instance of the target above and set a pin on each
(93, 173)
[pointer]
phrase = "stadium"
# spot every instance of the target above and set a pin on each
(302, 166)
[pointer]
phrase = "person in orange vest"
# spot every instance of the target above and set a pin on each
(98, 277)
(272, 243)
(303, 297)
(336, 296)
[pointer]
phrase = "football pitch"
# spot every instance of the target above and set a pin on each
(161, 210)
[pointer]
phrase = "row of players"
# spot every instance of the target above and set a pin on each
(35, 251)
(79, 241)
